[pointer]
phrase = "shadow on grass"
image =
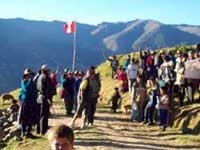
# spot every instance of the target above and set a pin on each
(113, 119)
(128, 145)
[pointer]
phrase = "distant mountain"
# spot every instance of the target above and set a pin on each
(27, 43)
(146, 33)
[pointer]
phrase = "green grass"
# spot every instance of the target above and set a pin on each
(29, 144)
(15, 93)
(189, 138)
(6, 105)
(106, 92)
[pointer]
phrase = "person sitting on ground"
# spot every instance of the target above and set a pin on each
(13, 110)
(115, 100)
(14, 107)
(61, 137)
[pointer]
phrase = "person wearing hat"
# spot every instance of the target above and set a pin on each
(44, 87)
(114, 63)
(27, 103)
(78, 79)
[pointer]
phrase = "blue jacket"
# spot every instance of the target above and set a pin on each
(28, 90)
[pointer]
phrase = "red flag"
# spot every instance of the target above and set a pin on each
(70, 27)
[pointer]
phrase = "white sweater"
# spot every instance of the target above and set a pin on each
(132, 71)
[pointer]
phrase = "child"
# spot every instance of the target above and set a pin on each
(61, 137)
(153, 91)
(115, 99)
(164, 107)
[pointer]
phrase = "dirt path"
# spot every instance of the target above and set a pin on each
(115, 131)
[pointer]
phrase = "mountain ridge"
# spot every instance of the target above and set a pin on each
(29, 44)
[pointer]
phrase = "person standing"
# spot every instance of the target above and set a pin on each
(87, 97)
(44, 87)
(164, 108)
(68, 85)
(150, 65)
(27, 97)
(131, 73)
(114, 63)
(138, 99)
(53, 77)
(91, 86)
(78, 79)
(127, 62)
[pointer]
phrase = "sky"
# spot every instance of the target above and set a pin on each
(98, 11)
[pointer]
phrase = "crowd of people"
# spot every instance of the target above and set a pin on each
(153, 82)
(78, 91)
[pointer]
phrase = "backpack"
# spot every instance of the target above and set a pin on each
(93, 88)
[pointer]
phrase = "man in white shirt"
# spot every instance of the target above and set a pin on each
(131, 73)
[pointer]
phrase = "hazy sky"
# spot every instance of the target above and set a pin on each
(97, 11)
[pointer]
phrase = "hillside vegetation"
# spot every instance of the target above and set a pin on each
(187, 118)
(108, 126)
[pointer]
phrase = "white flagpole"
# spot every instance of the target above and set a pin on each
(74, 52)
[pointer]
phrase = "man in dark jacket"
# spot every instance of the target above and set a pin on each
(114, 63)
(44, 87)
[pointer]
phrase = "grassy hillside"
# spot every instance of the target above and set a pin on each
(104, 68)
(187, 118)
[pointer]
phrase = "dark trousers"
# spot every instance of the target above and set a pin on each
(69, 102)
(114, 71)
(189, 92)
(91, 109)
(25, 127)
(163, 117)
(181, 93)
(42, 126)
(149, 110)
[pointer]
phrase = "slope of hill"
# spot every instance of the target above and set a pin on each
(186, 119)
(28, 43)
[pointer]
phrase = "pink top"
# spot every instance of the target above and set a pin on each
(122, 76)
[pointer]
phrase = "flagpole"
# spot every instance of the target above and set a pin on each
(74, 52)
